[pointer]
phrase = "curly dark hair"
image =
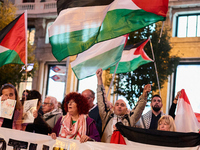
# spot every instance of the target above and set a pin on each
(80, 100)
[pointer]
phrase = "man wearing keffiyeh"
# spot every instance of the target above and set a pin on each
(120, 114)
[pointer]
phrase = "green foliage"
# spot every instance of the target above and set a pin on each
(7, 13)
(13, 73)
(131, 84)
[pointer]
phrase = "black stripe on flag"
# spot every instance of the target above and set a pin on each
(161, 138)
(64, 4)
(129, 47)
(5, 30)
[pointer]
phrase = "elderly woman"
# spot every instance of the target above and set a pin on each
(166, 123)
(76, 124)
(8, 91)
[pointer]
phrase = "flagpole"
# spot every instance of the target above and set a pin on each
(111, 83)
(161, 31)
(25, 13)
(155, 66)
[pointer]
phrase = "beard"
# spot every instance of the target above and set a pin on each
(156, 108)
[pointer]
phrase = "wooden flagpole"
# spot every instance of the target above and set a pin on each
(26, 52)
(161, 31)
(155, 66)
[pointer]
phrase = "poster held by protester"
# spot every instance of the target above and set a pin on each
(29, 107)
(7, 108)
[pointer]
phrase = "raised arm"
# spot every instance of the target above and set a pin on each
(173, 106)
(136, 112)
(101, 99)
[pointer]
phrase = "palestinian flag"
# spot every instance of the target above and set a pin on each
(81, 23)
(13, 42)
(133, 58)
(156, 139)
(101, 55)
(185, 119)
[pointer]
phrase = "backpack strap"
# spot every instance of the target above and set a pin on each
(111, 116)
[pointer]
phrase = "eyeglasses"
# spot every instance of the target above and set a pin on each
(46, 103)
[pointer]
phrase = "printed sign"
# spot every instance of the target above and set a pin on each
(29, 107)
(7, 108)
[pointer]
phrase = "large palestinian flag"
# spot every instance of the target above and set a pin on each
(13, 42)
(155, 139)
(81, 23)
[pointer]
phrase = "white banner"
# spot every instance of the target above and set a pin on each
(16, 140)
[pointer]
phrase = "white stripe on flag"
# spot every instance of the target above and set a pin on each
(185, 119)
(98, 49)
(3, 49)
(74, 19)
(128, 55)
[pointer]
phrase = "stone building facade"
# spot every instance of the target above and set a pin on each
(42, 13)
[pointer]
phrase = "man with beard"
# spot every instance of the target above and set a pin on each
(150, 119)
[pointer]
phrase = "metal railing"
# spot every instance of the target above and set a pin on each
(37, 8)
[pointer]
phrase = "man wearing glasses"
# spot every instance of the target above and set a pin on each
(51, 112)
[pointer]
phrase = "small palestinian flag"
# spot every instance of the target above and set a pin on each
(13, 42)
(132, 58)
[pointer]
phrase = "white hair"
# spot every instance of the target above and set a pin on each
(54, 101)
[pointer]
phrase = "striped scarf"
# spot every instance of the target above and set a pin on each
(74, 131)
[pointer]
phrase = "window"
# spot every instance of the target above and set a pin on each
(187, 77)
(188, 25)
(28, 1)
(47, 33)
(31, 34)
(56, 81)
(88, 83)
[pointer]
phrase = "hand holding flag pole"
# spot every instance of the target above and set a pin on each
(111, 83)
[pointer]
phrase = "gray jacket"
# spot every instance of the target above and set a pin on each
(52, 117)
(106, 114)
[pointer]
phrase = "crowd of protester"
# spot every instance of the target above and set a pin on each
(77, 117)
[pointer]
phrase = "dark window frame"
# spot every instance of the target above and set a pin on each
(187, 15)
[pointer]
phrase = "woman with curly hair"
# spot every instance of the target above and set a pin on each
(76, 124)
(166, 123)
(8, 91)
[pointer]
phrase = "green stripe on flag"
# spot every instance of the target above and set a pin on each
(116, 23)
(124, 21)
(10, 57)
(72, 43)
(132, 65)
(105, 60)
